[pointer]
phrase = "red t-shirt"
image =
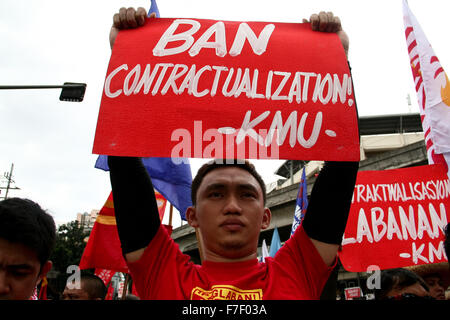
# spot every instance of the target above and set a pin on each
(297, 272)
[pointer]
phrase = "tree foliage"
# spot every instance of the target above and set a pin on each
(69, 246)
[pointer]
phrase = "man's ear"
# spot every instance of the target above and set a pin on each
(46, 267)
(267, 217)
(191, 217)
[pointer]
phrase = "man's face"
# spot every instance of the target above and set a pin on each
(436, 289)
(20, 271)
(415, 289)
(230, 213)
(75, 294)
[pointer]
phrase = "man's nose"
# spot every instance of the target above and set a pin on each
(4, 286)
(232, 206)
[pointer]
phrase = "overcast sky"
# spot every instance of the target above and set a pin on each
(51, 42)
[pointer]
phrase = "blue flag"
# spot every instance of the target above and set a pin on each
(275, 245)
(153, 8)
(301, 203)
(172, 180)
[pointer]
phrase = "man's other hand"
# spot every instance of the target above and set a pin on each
(127, 19)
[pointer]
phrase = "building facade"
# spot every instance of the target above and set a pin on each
(87, 220)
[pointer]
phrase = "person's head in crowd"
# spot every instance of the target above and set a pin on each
(225, 163)
(91, 288)
(229, 209)
(27, 238)
(436, 276)
(401, 283)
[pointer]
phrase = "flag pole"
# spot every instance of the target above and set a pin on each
(125, 286)
(170, 215)
(200, 243)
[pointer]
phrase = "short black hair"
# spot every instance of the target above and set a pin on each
(94, 286)
(225, 163)
(24, 221)
(397, 278)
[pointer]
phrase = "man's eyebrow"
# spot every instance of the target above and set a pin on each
(20, 266)
(218, 185)
(248, 186)
(214, 186)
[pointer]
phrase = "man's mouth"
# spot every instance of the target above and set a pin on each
(232, 225)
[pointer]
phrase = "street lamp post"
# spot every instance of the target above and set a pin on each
(70, 91)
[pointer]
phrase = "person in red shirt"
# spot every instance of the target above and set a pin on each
(229, 212)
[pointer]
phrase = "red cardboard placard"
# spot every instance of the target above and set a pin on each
(397, 219)
(351, 293)
(214, 89)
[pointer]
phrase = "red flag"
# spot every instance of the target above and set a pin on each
(105, 275)
(433, 91)
(134, 290)
(161, 201)
(103, 250)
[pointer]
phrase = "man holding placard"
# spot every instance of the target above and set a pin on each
(229, 212)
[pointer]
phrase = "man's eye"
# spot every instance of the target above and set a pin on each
(249, 195)
(215, 195)
(19, 273)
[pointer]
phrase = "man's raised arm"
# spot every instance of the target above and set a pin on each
(134, 198)
(135, 205)
(329, 206)
(326, 216)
